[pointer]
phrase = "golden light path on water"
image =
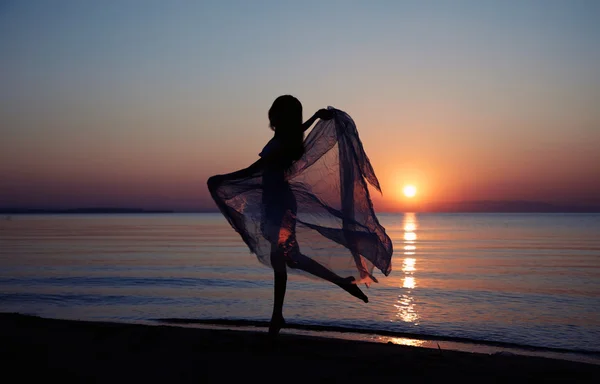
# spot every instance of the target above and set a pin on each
(405, 305)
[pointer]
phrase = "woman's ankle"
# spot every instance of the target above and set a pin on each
(276, 316)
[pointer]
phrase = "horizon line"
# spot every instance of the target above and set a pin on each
(535, 208)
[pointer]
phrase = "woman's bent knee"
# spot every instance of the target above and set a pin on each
(291, 263)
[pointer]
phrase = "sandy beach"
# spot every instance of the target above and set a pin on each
(35, 348)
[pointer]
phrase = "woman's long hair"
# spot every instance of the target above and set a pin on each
(285, 117)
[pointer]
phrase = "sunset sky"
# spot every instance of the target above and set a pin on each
(137, 103)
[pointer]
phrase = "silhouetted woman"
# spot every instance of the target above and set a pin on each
(278, 211)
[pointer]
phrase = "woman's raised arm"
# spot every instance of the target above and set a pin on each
(323, 114)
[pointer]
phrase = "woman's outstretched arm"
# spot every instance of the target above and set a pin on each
(272, 157)
(215, 181)
(254, 168)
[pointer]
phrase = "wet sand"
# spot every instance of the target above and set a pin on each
(33, 348)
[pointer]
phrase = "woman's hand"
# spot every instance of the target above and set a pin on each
(324, 114)
(215, 181)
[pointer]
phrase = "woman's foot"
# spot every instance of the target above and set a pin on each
(353, 289)
(277, 322)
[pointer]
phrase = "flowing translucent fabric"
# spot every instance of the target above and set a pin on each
(324, 210)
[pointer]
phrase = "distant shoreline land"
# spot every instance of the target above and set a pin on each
(25, 211)
(456, 207)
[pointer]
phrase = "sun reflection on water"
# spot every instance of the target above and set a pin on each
(406, 307)
(408, 265)
(410, 226)
(410, 237)
(405, 341)
(409, 282)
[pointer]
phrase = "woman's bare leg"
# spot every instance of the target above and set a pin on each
(309, 265)
(279, 260)
(280, 283)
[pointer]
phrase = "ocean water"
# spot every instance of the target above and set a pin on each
(528, 279)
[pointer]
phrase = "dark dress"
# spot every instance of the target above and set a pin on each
(279, 208)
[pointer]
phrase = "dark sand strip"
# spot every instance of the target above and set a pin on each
(331, 328)
(33, 348)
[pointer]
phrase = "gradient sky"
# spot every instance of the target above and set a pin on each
(136, 103)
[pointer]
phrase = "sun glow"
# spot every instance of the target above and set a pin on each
(409, 190)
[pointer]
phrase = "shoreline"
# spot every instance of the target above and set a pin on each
(378, 332)
(74, 350)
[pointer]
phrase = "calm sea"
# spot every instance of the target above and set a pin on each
(530, 279)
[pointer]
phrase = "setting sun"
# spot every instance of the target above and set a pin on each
(410, 191)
